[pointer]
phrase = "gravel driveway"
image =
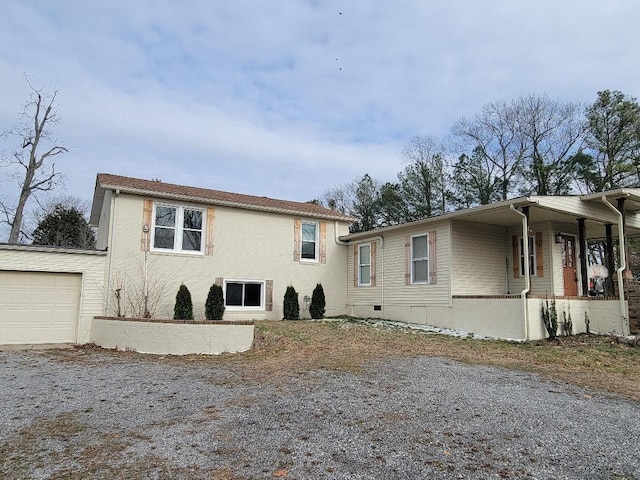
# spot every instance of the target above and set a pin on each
(87, 413)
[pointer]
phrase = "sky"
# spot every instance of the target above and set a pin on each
(287, 98)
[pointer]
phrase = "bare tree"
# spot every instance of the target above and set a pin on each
(424, 183)
(494, 134)
(33, 160)
(554, 133)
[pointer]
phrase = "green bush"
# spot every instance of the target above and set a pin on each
(214, 306)
(183, 309)
(316, 309)
(291, 305)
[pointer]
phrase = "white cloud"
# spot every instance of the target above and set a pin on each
(292, 98)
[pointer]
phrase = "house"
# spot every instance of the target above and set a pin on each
(472, 269)
(487, 270)
(254, 247)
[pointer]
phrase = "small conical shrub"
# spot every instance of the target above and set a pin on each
(291, 305)
(214, 306)
(184, 306)
(316, 309)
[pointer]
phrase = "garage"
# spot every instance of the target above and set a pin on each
(39, 307)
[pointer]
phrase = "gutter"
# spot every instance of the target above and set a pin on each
(527, 273)
(622, 266)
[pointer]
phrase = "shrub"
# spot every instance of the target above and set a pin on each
(214, 306)
(291, 305)
(587, 323)
(316, 309)
(183, 309)
(567, 323)
(550, 317)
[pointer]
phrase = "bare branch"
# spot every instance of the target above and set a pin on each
(39, 114)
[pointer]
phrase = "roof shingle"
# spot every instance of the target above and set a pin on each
(160, 189)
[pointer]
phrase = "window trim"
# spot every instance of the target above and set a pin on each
(533, 261)
(413, 260)
(178, 229)
(263, 288)
(316, 252)
(360, 264)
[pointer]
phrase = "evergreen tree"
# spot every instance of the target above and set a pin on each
(214, 306)
(291, 305)
(183, 309)
(613, 141)
(64, 227)
(318, 303)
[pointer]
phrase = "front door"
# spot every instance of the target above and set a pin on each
(569, 272)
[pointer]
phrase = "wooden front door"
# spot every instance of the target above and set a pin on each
(569, 273)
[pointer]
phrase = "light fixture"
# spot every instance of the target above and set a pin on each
(558, 238)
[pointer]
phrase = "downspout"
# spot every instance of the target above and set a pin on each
(622, 266)
(527, 273)
(381, 269)
(110, 249)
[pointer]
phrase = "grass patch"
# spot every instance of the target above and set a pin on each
(292, 347)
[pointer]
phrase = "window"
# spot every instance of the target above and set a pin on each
(177, 229)
(241, 294)
(364, 264)
(532, 257)
(420, 259)
(309, 241)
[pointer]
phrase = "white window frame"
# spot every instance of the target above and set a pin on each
(532, 256)
(316, 253)
(361, 265)
(420, 259)
(263, 286)
(178, 229)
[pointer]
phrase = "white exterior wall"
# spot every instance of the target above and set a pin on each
(90, 264)
(401, 301)
(604, 316)
(172, 338)
(479, 261)
(248, 245)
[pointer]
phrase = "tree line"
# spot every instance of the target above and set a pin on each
(532, 145)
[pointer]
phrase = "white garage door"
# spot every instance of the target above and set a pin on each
(37, 307)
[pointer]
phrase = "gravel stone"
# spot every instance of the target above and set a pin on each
(123, 415)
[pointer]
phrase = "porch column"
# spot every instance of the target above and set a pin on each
(608, 260)
(583, 257)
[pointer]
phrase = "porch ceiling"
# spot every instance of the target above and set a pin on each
(595, 227)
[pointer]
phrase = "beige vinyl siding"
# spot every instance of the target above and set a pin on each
(402, 302)
(396, 290)
(90, 264)
(479, 261)
(247, 245)
(540, 285)
(365, 296)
